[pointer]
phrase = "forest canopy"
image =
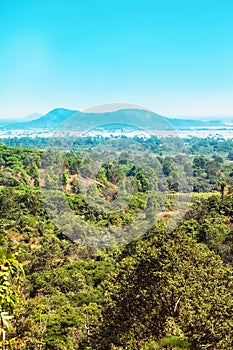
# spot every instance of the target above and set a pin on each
(170, 287)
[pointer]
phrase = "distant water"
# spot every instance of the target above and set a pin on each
(225, 133)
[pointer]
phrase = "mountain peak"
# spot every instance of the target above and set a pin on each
(111, 107)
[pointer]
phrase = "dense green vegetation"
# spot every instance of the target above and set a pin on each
(170, 288)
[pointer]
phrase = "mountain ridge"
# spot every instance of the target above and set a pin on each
(69, 119)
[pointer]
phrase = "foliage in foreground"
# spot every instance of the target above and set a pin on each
(167, 290)
(169, 286)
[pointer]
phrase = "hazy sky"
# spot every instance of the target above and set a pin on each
(172, 56)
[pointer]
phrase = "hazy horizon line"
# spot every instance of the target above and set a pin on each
(97, 109)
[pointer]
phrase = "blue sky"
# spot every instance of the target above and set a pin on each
(172, 56)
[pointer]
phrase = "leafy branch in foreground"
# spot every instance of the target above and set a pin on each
(11, 274)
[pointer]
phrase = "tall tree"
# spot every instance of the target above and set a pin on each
(169, 286)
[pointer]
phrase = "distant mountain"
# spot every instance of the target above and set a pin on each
(72, 120)
(30, 117)
(194, 123)
(27, 118)
(110, 107)
(51, 120)
(120, 118)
